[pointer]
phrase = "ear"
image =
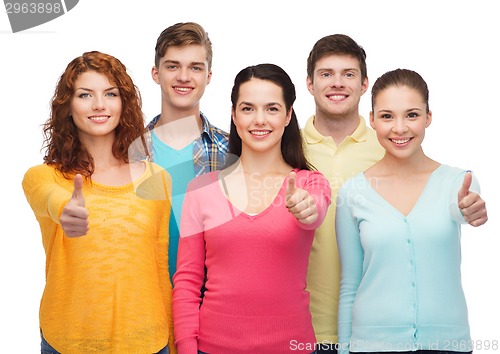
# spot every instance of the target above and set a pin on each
(233, 116)
(310, 85)
(155, 74)
(364, 86)
(372, 120)
(288, 116)
(428, 120)
(209, 77)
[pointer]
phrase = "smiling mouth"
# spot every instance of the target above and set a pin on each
(337, 97)
(400, 141)
(260, 132)
(99, 119)
(182, 89)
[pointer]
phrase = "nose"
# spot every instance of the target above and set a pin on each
(260, 117)
(337, 80)
(183, 74)
(399, 127)
(98, 104)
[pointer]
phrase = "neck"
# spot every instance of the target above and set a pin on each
(102, 154)
(264, 163)
(337, 127)
(414, 164)
(171, 114)
(177, 133)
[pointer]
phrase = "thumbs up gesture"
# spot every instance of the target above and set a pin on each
(299, 202)
(471, 204)
(74, 219)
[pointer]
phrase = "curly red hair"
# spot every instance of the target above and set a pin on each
(63, 146)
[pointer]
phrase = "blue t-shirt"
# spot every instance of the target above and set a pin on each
(179, 164)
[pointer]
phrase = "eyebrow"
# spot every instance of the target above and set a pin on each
(87, 89)
(407, 110)
(199, 63)
(270, 104)
(342, 70)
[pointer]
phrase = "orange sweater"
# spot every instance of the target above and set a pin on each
(108, 291)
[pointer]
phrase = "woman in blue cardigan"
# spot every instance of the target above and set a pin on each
(398, 232)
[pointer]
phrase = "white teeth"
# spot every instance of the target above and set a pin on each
(260, 132)
(337, 97)
(183, 89)
(400, 141)
(98, 119)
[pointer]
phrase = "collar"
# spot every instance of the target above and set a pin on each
(312, 135)
(205, 125)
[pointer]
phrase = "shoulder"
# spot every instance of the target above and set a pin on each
(41, 171)
(40, 175)
(153, 167)
(309, 132)
(447, 172)
(214, 132)
(454, 176)
(151, 124)
(219, 132)
(309, 174)
(354, 184)
(311, 177)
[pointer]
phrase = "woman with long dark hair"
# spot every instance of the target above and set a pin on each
(251, 226)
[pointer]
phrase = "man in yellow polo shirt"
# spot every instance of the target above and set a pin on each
(339, 144)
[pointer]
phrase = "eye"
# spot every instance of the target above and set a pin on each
(413, 115)
(273, 109)
(112, 94)
(197, 68)
(385, 116)
(84, 95)
(171, 67)
(246, 109)
(349, 75)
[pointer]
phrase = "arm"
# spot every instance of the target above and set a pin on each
(188, 279)
(49, 199)
(351, 260)
(309, 202)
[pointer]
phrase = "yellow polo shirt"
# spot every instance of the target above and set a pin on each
(338, 163)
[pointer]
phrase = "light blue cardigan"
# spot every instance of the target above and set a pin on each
(401, 284)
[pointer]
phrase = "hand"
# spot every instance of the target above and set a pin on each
(75, 217)
(471, 204)
(299, 202)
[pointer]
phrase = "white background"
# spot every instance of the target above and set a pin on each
(453, 45)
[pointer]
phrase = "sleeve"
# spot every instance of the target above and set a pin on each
(319, 188)
(189, 277)
(351, 261)
(455, 212)
(45, 195)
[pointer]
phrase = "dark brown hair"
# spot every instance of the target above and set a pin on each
(401, 77)
(291, 142)
(336, 44)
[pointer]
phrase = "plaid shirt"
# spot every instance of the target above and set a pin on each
(210, 149)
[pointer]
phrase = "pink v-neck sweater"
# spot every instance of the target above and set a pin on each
(255, 299)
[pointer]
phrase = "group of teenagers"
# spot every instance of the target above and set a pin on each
(178, 237)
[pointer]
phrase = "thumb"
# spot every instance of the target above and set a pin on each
(464, 191)
(77, 192)
(291, 187)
